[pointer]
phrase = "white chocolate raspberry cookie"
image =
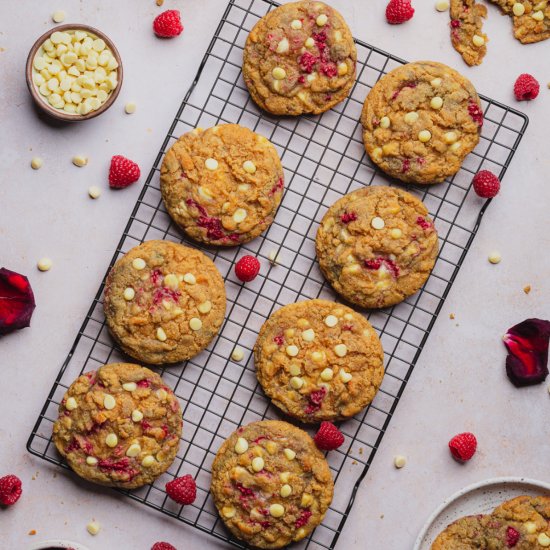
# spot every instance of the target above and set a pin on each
(319, 360)
(531, 18)
(119, 426)
(300, 58)
(164, 302)
(270, 483)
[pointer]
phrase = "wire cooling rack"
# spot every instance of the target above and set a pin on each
(324, 158)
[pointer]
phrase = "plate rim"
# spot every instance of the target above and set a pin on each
(469, 488)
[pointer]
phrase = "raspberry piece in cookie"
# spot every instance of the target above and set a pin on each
(467, 36)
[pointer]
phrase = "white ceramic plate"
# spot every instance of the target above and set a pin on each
(479, 498)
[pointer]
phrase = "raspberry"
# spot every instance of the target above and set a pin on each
(123, 172)
(182, 489)
(486, 184)
(168, 24)
(348, 217)
(10, 490)
(526, 87)
(512, 537)
(329, 437)
(399, 11)
(463, 446)
(247, 268)
(162, 546)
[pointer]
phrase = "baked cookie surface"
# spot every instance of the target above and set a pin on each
(164, 302)
(319, 360)
(222, 185)
(376, 246)
(119, 426)
(300, 58)
(467, 35)
(531, 18)
(270, 483)
(420, 121)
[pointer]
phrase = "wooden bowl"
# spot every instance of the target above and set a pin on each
(42, 102)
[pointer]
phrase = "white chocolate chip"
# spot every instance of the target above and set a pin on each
(133, 450)
(544, 540)
(111, 440)
(286, 490)
(411, 118)
(94, 192)
(161, 335)
(296, 24)
(91, 460)
(283, 46)
(295, 369)
(228, 512)
(241, 446)
(495, 257)
(306, 501)
(258, 464)
(240, 215)
(130, 108)
(249, 166)
(518, 9)
(345, 376)
(171, 281)
(71, 404)
(478, 41)
(129, 386)
(296, 382)
(278, 73)
(284, 476)
(148, 461)
(396, 233)
(321, 20)
(341, 350)
(211, 164)
(436, 103)
(539, 16)
(308, 335)
(195, 324)
(318, 356)
(530, 527)
(109, 402)
(442, 5)
(327, 375)
(129, 294)
(162, 394)
(377, 223)
(273, 256)
(455, 146)
(44, 264)
(139, 264)
(80, 161)
(424, 136)
(292, 350)
(385, 122)
(205, 307)
(93, 528)
(277, 510)
(137, 415)
(309, 43)
(342, 69)
(289, 454)
(36, 163)
(238, 354)
(58, 16)
(399, 461)
(450, 137)
(331, 321)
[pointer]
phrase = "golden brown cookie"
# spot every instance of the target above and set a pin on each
(319, 360)
(270, 483)
(420, 121)
(376, 246)
(467, 35)
(223, 185)
(119, 426)
(164, 302)
(300, 58)
(531, 18)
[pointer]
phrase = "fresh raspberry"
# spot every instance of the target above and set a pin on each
(10, 490)
(486, 184)
(123, 172)
(162, 546)
(463, 446)
(247, 268)
(512, 537)
(168, 24)
(329, 437)
(526, 87)
(399, 11)
(182, 489)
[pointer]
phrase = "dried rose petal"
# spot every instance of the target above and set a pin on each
(527, 343)
(16, 301)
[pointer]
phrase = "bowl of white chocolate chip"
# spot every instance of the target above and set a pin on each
(74, 72)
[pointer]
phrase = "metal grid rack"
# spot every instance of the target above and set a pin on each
(324, 158)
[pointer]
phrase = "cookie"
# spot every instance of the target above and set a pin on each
(467, 35)
(466, 533)
(319, 360)
(376, 246)
(300, 58)
(164, 302)
(531, 18)
(223, 185)
(420, 121)
(270, 483)
(119, 426)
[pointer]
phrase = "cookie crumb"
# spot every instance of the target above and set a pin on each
(527, 289)
(159, 2)
(32, 532)
(354, 462)
(360, 450)
(451, 316)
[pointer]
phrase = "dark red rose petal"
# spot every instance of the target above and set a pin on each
(527, 344)
(16, 301)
